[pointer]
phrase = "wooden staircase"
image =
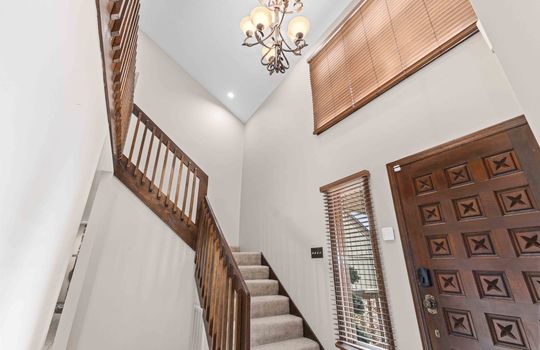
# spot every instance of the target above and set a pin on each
(174, 187)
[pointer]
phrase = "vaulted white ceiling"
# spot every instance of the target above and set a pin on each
(204, 37)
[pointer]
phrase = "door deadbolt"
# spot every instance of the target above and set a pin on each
(431, 304)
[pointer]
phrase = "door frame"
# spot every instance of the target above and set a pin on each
(404, 234)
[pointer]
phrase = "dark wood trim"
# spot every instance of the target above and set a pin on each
(105, 60)
(308, 332)
(426, 60)
(400, 215)
(478, 135)
(409, 259)
(345, 180)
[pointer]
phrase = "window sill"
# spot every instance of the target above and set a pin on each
(345, 346)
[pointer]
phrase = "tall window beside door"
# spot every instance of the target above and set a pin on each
(379, 45)
(363, 318)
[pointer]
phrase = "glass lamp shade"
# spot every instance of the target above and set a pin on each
(298, 25)
(268, 54)
(246, 25)
(261, 16)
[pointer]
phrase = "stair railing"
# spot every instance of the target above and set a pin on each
(118, 22)
(172, 185)
(223, 293)
(163, 176)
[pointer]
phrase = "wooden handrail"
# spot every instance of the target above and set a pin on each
(224, 295)
(176, 187)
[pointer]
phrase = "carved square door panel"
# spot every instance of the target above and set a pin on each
(468, 212)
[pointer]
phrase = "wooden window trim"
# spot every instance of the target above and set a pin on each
(424, 61)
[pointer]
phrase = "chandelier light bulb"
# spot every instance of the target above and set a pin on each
(247, 26)
(268, 54)
(261, 17)
(298, 28)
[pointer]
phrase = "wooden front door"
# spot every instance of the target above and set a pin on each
(470, 225)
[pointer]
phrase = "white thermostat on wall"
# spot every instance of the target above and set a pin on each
(387, 234)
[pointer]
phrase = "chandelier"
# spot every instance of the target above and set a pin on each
(263, 27)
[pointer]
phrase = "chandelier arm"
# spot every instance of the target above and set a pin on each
(261, 41)
(283, 40)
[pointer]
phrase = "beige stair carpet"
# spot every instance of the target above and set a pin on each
(272, 326)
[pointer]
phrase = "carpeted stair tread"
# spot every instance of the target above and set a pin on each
(269, 305)
(247, 258)
(254, 272)
(262, 287)
(291, 344)
(274, 329)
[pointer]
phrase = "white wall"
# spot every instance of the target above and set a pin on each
(197, 123)
(139, 287)
(513, 28)
(53, 126)
(285, 164)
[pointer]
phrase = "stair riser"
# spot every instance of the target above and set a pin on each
(276, 332)
(247, 258)
(270, 308)
(260, 289)
(255, 273)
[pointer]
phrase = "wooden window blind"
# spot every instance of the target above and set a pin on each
(362, 312)
(379, 45)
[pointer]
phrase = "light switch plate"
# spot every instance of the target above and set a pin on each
(388, 234)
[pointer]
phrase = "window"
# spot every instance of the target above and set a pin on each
(363, 319)
(379, 45)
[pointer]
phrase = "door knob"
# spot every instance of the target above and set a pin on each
(431, 304)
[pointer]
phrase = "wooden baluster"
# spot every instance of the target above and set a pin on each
(245, 317)
(238, 325)
(215, 287)
(134, 139)
(203, 187)
(150, 188)
(163, 170)
(171, 176)
(140, 150)
(230, 315)
(217, 310)
(225, 315)
(186, 192)
(211, 291)
(148, 155)
(223, 309)
(199, 252)
(192, 199)
(180, 167)
(210, 274)
(204, 237)
(208, 264)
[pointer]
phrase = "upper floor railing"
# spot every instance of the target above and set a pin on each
(118, 22)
